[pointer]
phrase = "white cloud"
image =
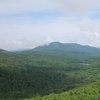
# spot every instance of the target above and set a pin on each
(90, 29)
(16, 36)
(19, 31)
(70, 7)
(15, 6)
(77, 7)
(24, 44)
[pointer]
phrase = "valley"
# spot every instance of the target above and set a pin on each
(53, 72)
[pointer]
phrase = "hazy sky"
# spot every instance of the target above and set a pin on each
(25, 24)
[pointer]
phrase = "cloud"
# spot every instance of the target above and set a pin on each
(70, 7)
(15, 6)
(77, 7)
(16, 35)
(27, 24)
(91, 31)
(30, 30)
(24, 44)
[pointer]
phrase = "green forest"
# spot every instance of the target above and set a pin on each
(87, 92)
(34, 75)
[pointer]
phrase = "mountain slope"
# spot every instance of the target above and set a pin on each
(69, 49)
(1, 50)
(87, 92)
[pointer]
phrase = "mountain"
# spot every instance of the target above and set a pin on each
(69, 49)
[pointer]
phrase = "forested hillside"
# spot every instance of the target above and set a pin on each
(30, 74)
(87, 92)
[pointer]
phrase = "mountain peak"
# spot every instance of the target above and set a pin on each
(55, 42)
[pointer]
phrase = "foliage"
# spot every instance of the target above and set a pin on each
(87, 92)
(34, 74)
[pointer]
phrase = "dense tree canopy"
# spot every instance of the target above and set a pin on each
(36, 75)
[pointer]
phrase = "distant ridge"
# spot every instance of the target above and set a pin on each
(68, 49)
(72, 50)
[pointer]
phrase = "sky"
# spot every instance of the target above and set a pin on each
(26, 24)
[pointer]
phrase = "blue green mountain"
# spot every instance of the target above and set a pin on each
(69, 49)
